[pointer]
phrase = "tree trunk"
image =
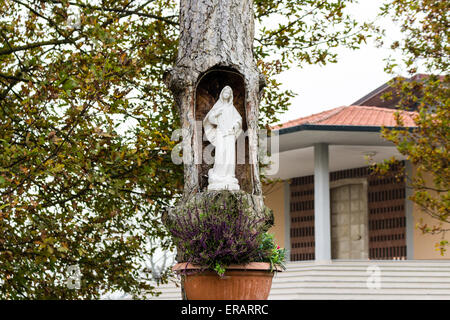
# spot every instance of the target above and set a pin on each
(216, 46)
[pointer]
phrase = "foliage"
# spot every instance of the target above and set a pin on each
(270, 252)
(79, 185)
(424, 46)
(425, 37)
(85, 122)
(216, 233)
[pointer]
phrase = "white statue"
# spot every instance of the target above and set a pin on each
(223, 125)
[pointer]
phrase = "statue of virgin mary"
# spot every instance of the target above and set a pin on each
(223, 125)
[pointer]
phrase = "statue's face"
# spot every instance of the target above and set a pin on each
(227, 93)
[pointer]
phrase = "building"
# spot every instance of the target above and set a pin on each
(328, 205)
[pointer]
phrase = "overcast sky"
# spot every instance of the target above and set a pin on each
(357, 73)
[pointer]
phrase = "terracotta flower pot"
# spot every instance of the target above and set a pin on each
(240, 282)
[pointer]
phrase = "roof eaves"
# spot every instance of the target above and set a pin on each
(348, 128)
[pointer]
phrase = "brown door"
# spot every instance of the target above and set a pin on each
(349, 235)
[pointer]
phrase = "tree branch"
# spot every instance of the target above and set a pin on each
(6, 51)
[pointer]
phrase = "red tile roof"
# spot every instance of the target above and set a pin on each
(354, 116)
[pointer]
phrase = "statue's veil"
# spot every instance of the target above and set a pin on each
(210, 124)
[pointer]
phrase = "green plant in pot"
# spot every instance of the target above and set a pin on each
(225, 250)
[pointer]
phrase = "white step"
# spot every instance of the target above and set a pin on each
(406, 280)
(364, 267)
(361, 290)
(362, 284)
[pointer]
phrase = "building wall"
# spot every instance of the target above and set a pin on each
(424, 244)
(274, 199)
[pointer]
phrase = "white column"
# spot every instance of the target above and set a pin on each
(322, 229)
(287, 219)
(409, 207)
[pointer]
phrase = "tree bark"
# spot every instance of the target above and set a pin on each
(216, 36)
(216, 49)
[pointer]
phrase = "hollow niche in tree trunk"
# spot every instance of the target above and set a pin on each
(207, 93)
